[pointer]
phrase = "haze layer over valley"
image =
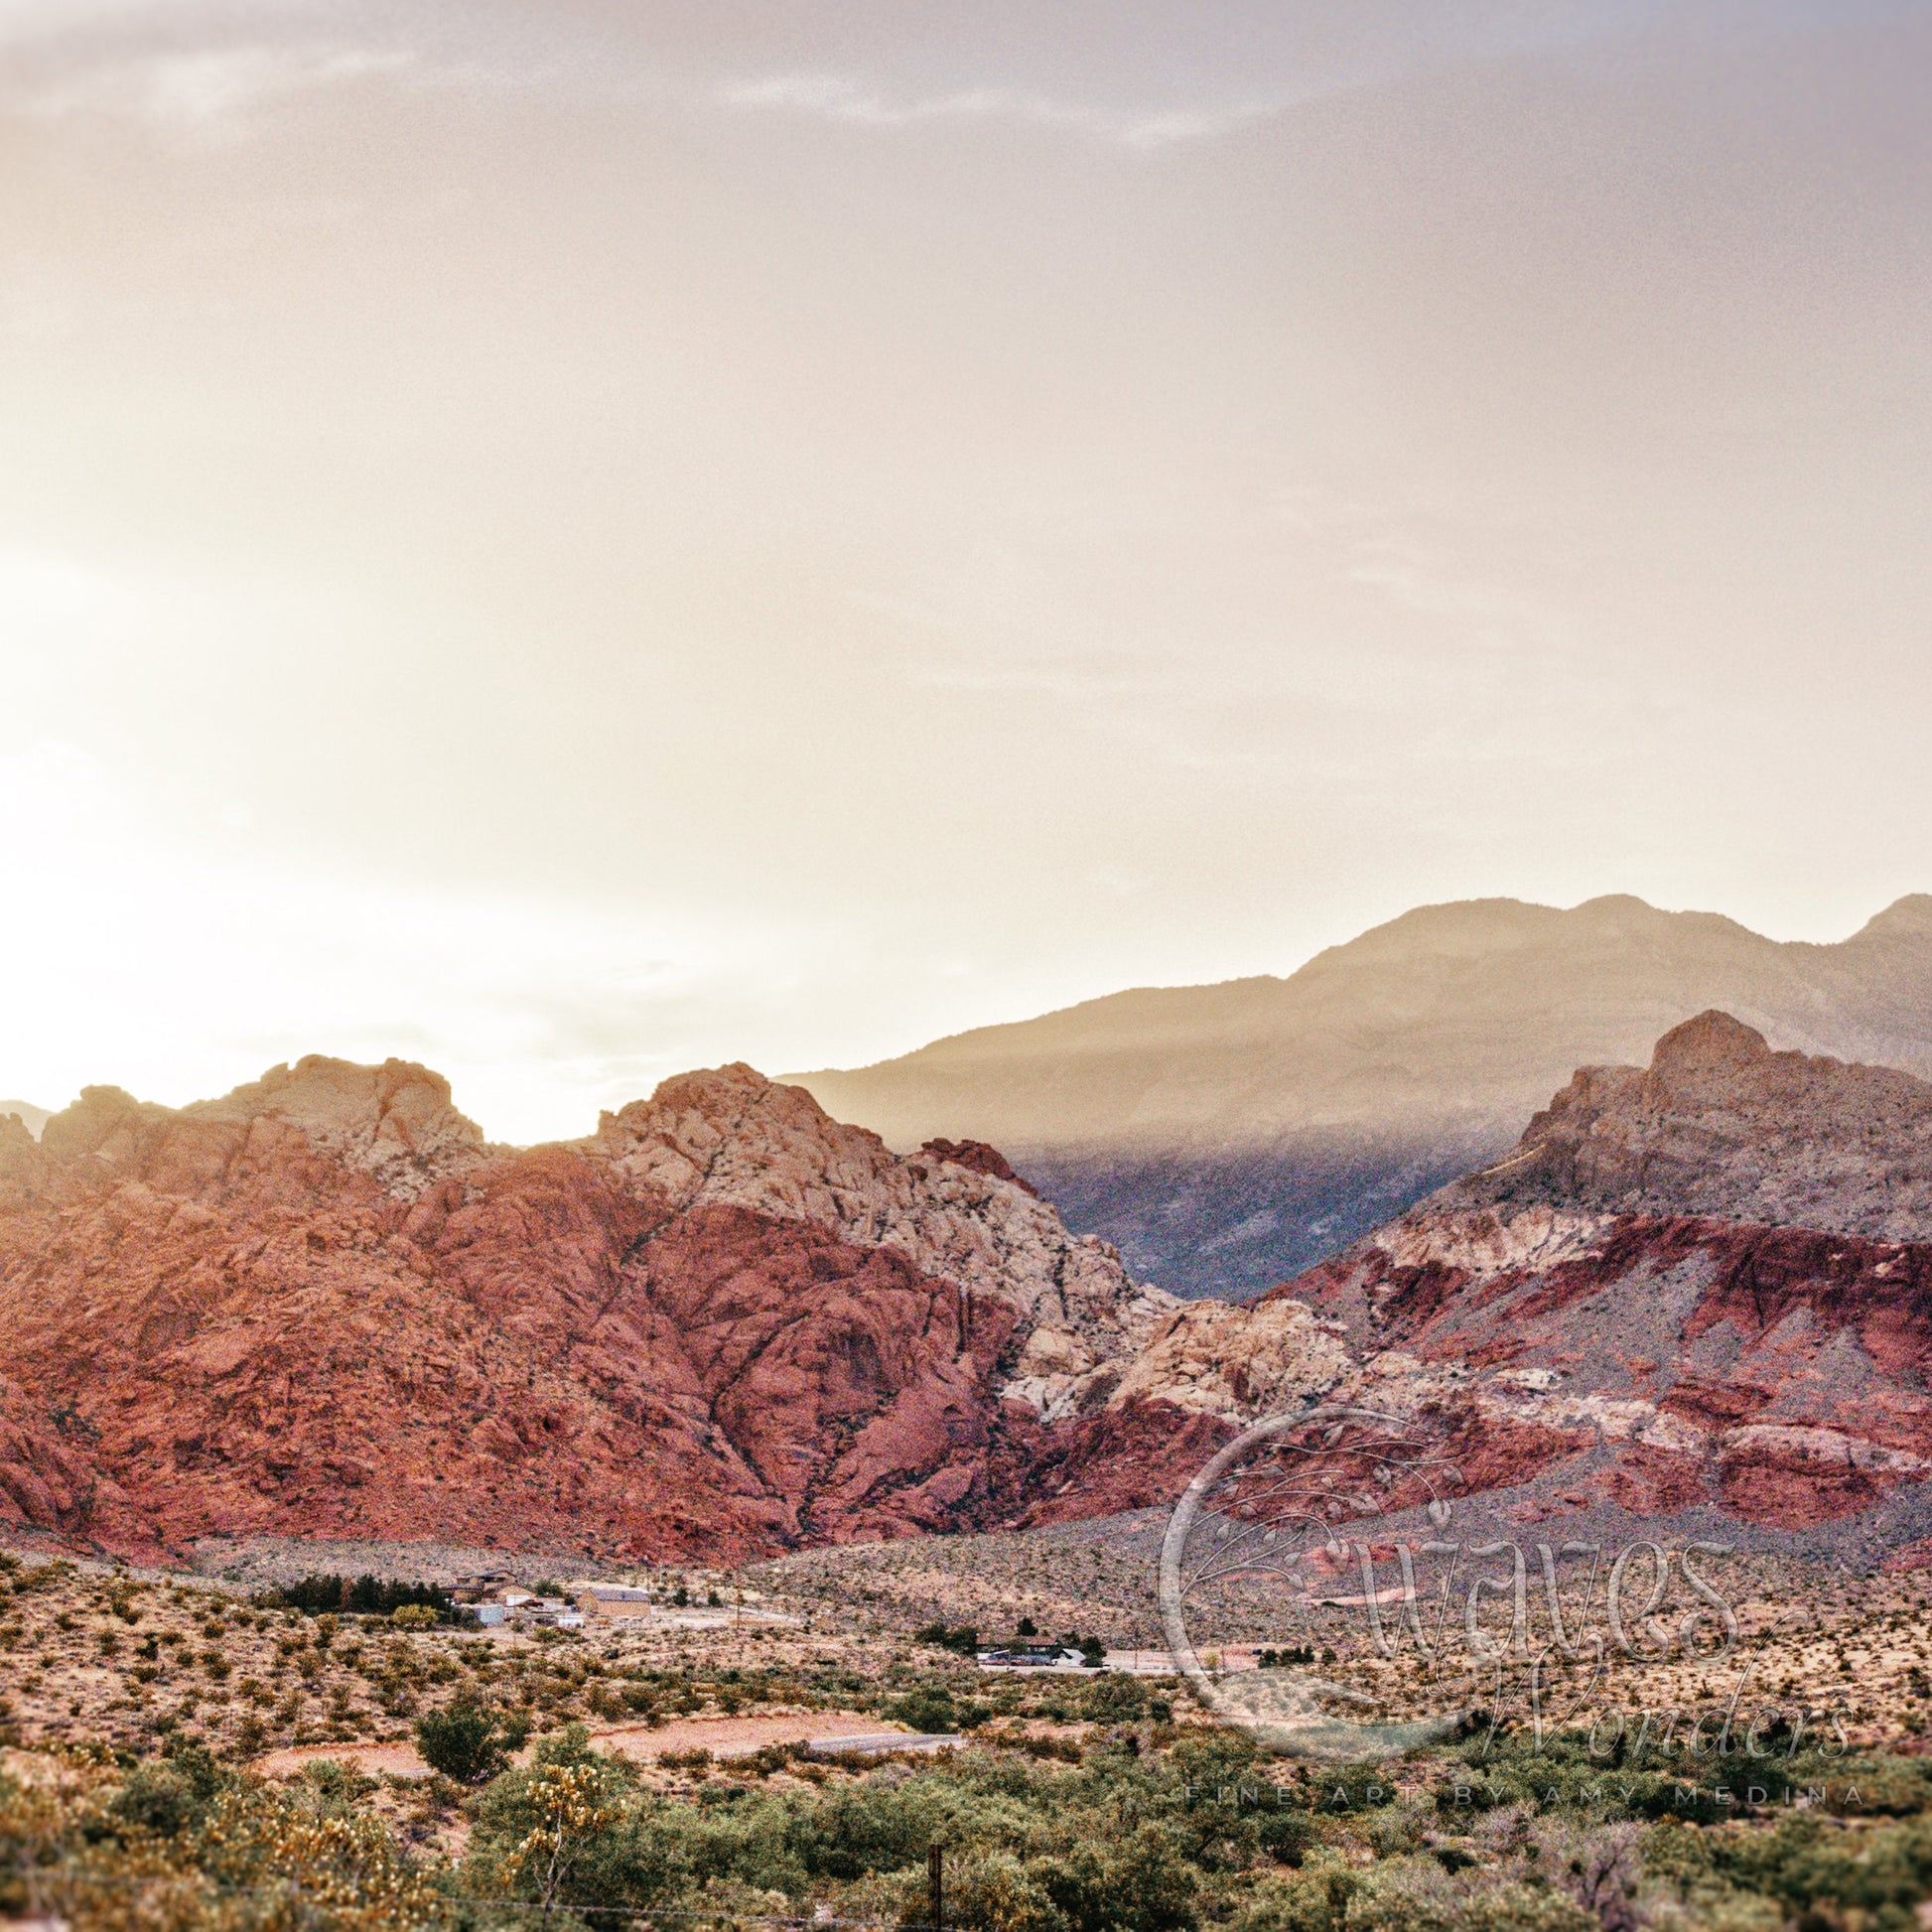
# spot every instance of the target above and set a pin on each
(1225, 1136)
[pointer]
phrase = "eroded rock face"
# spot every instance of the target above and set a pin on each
(725, 1323)
(1214, 1358)
(394, 1122)
(722, 1324)
(1719, 1125)
(1704, 1282)
(980, 1158)
(44, 1483)
(733, 1137)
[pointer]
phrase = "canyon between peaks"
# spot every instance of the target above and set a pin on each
(725, 1325)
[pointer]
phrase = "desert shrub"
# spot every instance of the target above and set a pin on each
(1418, 1895)
(162, 1800)
(183, 1845)
(569, 1830)
(1140, 1884)
(42, 1575)
(927, 1708)
(1876, 1877)
(640, 1700)
(852, 1830)
(1311, 1900)
(466, 1739)
(343, 1782)
(1562, 1774)
(990, 1891)
(1117, 1698)
(964, 1640)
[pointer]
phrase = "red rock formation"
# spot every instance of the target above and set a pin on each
(324, 1307)
(1632, 1277)
(980, 1158)
(725, 1323)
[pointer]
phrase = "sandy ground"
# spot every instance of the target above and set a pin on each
(397, 1760)
(722, 1737)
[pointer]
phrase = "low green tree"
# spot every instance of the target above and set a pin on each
(466, 1739)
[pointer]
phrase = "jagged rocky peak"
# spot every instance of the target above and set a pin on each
(395, 1120)
(104, 1120)
(981, 1157)
(730, 1136)
(1719, 1124)
(30, 1117)
(1712, 1043)
(728, 1133)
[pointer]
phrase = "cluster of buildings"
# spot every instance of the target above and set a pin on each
(1063, 1657)
(1035, 1656)
(494, 1599)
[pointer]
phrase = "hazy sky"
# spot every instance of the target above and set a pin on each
(578, 538)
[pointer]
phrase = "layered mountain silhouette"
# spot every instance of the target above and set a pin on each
(1701, 1289)
(1225, 1136)
(724, 1324)
(32, 1118)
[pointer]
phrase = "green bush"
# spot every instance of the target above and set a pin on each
(1418, 1895)
(965, 1640)
(927, 1708)
(991, 1891)
(468, 1740)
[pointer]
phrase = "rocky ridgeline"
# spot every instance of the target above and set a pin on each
(1719, 1125)
(724, 1324)
(736, 1139)
(1705, 1284)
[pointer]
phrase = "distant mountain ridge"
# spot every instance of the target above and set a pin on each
(1699, 1290)
(32, 1118)
(1225, 1136)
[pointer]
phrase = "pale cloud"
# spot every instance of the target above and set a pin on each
(845, 99)
(209, 91)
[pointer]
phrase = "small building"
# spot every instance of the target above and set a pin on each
(478, 1585)
(1032, 1656)
(613, 1602)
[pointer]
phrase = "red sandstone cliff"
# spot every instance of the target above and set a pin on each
(1703, 1284)
(725, 1323)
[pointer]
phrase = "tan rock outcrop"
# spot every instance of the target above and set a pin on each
(1215, 1358)
(734, 1138)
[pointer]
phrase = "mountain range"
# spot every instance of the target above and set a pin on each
(1697, 1291)
(1225, 1137)
(720, 1323)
